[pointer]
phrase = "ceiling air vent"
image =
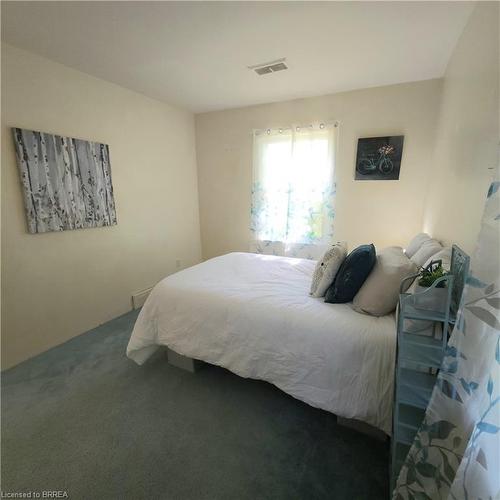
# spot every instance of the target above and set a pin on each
(269, 67)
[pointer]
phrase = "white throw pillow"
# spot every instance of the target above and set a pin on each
(426, 251)
(326, 269)
(416, 243)
(379, 294)
(443, 255)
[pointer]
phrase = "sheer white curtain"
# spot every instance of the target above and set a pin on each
(293, 190)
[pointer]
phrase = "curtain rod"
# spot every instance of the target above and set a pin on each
(321, 125)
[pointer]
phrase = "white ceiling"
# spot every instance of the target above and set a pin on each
(195, 54)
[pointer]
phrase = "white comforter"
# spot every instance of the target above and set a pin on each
(252, 314)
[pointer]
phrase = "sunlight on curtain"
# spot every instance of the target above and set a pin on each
(293, 189)
(456, 453)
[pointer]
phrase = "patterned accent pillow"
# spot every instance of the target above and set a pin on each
(326, 269)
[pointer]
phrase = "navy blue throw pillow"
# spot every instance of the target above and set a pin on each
(351, 275)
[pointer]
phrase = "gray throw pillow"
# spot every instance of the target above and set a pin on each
(416, 243)
(380, 292)
(427, 250)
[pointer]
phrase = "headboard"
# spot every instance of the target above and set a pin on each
(459, 268)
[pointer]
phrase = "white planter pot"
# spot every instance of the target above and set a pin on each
(433, 299)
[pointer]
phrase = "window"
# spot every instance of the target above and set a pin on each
(293, 186)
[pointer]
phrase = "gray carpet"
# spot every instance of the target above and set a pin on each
(83, 418)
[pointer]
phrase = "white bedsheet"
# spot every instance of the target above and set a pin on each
(252, 314)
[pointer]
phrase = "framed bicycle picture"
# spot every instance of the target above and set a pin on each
(379, 158)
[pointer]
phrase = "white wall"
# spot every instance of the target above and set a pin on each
(382, 212)
(468, 132)
(58, 285)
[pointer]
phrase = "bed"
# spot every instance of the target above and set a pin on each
(252, 314)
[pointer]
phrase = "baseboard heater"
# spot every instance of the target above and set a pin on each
(138, 298)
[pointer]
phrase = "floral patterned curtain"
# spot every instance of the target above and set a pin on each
(293, 190)
(456, 453)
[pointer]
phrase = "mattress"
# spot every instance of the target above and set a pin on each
(252, 314)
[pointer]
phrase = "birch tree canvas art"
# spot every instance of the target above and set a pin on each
(66, 182)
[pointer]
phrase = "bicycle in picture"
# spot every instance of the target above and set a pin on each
(382, 164)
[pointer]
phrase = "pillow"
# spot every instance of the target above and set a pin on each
(427, 250)
(327, 268)
(416, 243)
(352, 274)
(379, 294)
(443, 255)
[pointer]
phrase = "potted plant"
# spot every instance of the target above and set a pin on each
(432, 297)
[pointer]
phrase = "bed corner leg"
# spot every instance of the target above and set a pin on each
(362, 427)
(183, 362)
